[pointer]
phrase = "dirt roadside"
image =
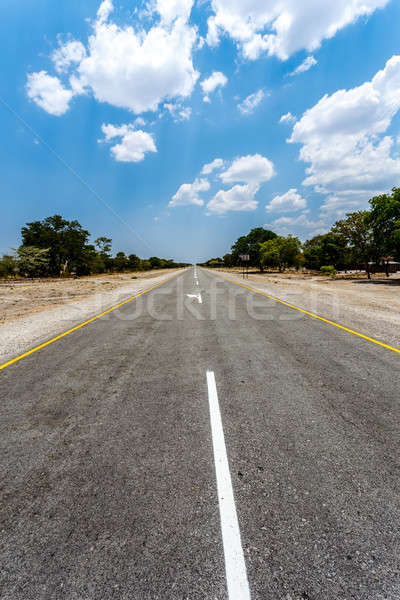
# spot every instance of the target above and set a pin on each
(368, 307)
(24, 298)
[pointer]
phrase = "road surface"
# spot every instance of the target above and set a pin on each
(201, 442)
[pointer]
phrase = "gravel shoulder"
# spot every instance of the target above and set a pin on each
(368, 307)
(31, 313)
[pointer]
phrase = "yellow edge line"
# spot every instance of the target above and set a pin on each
(58, 337)
(310, 314)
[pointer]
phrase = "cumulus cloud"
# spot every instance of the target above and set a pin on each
(252, 169)
(343, 141)
(188, 193)
(291, 201)
(209, 85)
(239, 197)
(134, 69)
(249, 171)
(133, 145)
(305, 65)
(335, 207)
(291, 25)
(170, 10)
(250, 103)
(287, 118)
(217, 163)
(49, 93)
(302, 226)
(67, 54)
(104, 11)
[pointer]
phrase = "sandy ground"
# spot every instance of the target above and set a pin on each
(369, 307)
(32, 312)
(20, 299)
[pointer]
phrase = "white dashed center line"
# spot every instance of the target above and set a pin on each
(235, 566)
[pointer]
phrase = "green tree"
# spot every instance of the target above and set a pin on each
(327, 249)
(357, 232)
(134, 262)
(32, 261)
(146, 265)
(250, 244)
(104, 261)
(120, 262)
(384, 220)
(281, 252)
(155, 262)
(66, 241)
(8, 265)
(103, 244)
(228, 260)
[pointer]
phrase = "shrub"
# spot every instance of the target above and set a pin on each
(328, 270)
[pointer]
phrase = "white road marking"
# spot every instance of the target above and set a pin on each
(197, 296)
(235, 566)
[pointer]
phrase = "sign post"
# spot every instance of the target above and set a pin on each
(245, 258)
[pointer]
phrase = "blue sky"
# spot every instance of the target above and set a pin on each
(111, 112)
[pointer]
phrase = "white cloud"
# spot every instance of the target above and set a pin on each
(217, 163)
(49, 93)
(335, 207)
(342, 138)
(250, 103)
(135, 69)
(305, 65)
(134, 144)
(291, 25)
(185, 113)
(239, 197)
(291, 201)
(252, 169)
(188, 193)
(139, 122)
(301, 226)
(105, 9)
(287, 118)
(169, 10)
(178, 112)
(70, 53)
(209, 85)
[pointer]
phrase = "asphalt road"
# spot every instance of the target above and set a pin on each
(110, 465)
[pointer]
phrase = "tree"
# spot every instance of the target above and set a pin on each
(134, 262)
(357, 232)
(8, 265)
(104, 261)
(327, 249)
(120, 262)
(32, 261)
(250, 244)
(103, 245)
(66, 241)
(228, 260)
(155, 262)
(281, 252)
(384, 220)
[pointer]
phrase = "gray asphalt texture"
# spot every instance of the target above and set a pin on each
(107, 477)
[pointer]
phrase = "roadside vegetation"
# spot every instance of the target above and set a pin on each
(56, 247)
(368, 239)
